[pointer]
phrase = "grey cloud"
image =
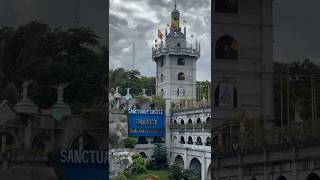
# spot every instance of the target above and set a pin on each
(57, 13)
(197, 14)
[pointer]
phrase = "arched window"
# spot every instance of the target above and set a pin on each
(199, 141)
(182, 141)
(227, 48)
(142, 140)
(181, 92)
(157, 139)
(190, 121)
(85, 141)
(181, 76)
(161, 78)
(198, 121)
(182, 121)
(181, 61)
(143, 154)
(217, 97)
(40, 142)
(178, 45)
(313, 176)
(208, 141)
(227, 6)
(162, 93)
(10, 141)
(208, 119)
(161, 63)
(190, 141)
(281, 178)
(174, 138)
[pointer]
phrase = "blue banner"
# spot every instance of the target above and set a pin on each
(146, 122)
(81, 165)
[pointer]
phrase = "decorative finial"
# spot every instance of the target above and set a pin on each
(175, 4)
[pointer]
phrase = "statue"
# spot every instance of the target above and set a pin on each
(25, 89)
(60, 90)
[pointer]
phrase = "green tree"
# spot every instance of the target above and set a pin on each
(189, 174)
(159, 157)
(131, 79)
(175, 172)
(138, 164)
(120, 176)
(129, 142)
(53, 56)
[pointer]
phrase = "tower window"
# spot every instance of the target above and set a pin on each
(161, 78)
(162, 92)
(181, 61)
(178, 45)
(161, 63)
(181, 92)
(227, 6)
(227, 48)
(181, 76)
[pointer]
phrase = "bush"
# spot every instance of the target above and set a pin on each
(159, 158)
(175, 172)
(138, 164)
(129, 142)
(120, 176)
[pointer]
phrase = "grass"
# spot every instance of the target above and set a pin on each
(163, 174)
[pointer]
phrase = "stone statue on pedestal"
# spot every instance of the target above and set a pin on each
(60, 90)
(25, 86)
(61, 106)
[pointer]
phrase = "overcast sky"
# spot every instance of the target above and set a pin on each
(296, 25)
(138, 21)
(56, 13)
(296, 30)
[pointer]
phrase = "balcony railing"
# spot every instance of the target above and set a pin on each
(187, 51)
(200, 127)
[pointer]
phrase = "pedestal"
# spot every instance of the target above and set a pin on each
(26, 106)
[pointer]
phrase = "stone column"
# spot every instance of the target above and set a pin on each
(27, 134)
(3, 143)
(80, 143)
(294, 164)
(203, 167)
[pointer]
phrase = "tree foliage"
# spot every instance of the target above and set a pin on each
(49, 57)
(138, 164)
(176, 172)
(131, 79)
(159, 157)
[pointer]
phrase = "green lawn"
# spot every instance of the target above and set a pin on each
(163, 174)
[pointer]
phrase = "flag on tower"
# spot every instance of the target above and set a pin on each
(160, 34)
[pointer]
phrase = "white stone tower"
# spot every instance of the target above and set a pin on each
(243, 59)
(176, 62)
(175, 67)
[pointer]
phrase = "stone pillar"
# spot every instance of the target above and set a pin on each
(3, 143)
(203, 168)
(167, 127)
(80, 143)
(27, 134)
(265, 167)
(239, 167)
(294, 164)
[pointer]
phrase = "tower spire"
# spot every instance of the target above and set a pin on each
(175, 4)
